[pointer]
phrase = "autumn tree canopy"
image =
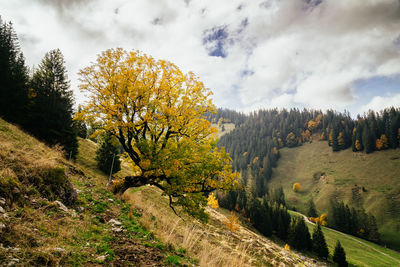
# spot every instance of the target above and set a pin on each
(157, 114)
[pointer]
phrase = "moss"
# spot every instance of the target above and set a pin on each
(10, 187)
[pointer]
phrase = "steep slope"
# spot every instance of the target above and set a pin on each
(95, 228)
(212, 243)
(370, 181)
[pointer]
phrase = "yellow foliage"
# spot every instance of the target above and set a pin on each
(157, 113)
(340, 140)
(385, 142)
(232, 222)
(280, 142)
(330, 140)
(287, 247)
(255, 160)
(358, 145)
(212, 201)
(322, 136)
(319, 118)
(296, 187)
(379, 144)
(322, 217)
(312, 125)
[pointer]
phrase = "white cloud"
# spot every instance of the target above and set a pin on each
(294, 53)
(378, 103)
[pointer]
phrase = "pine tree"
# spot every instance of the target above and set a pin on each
(107, 155)
(319, 243)
(335, 143)
(13, 76)
(339, 256)
(51, 107)
(299, 236)
(312, 211)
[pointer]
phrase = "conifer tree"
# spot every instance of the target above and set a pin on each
(312, 211)
(51, 107)
(335, 143)
(339, 256)
(107, 155)
(299, 236)
(13, 76)
(319, 243)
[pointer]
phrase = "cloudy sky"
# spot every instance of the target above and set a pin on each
(252, 54)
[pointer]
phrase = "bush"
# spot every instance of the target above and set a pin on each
(107, 153)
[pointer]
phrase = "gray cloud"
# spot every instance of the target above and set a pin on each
(251, 54)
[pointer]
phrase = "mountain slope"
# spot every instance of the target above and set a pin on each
(370, 181)
(212, 243)
(95, 228)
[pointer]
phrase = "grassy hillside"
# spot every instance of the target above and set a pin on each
(370, 181)
(95, 228)
(212, 243)
(359, 252)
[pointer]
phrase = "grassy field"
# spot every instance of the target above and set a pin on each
(370, 181)
(359, 252)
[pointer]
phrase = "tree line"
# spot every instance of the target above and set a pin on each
(254, 145)
(41, 102)
(269, 215)
(354, 222)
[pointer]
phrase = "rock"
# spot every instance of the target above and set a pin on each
(13, 262)
(61, 206)
(2, 210)
(115, 222)
(101, 258)
(2, 201)
(110, 200)
(116, 229)
(73, 214)
(59, 250)
(2, 226)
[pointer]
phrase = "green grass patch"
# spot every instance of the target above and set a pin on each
(173, 260)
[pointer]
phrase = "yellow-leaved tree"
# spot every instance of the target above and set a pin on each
(157, 114)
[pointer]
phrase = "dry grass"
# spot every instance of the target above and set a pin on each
(198, 239)
(213, 244)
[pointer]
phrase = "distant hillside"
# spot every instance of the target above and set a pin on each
(369, 181)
